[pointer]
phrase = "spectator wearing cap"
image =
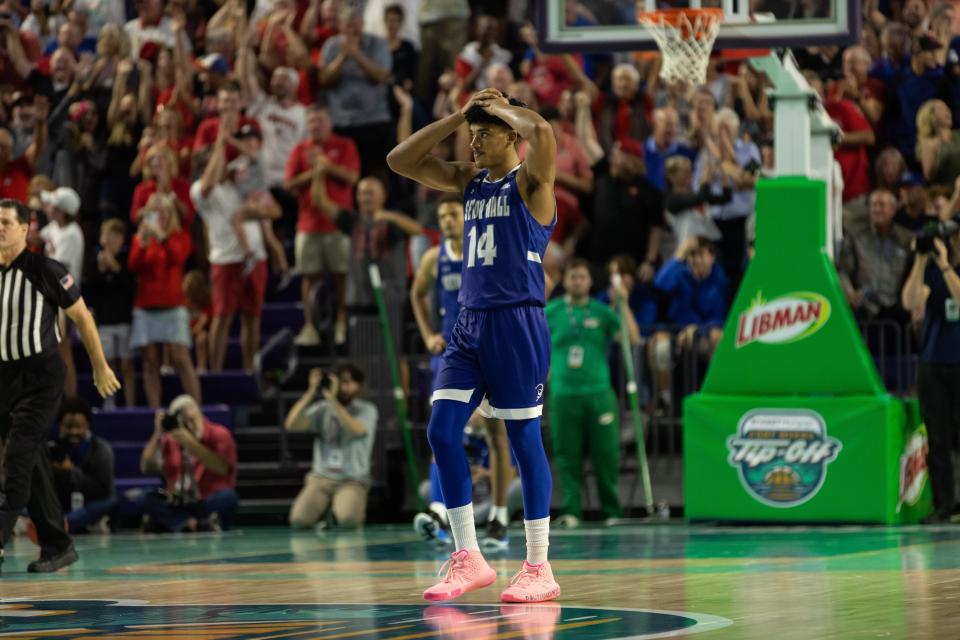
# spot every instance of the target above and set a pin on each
(158, 253)
(198, 461)
(627, 210)
(924, 80)
(873, 261)
(327, 162)
(663, 144)
(574, 179)
(63, 241)
(152, 25)
(229, 102)
(231, 199)
(283, 120)
(938, 144)
(857, 138)
(738, 163)
(624, 111)
(913, 203)
(355, 72)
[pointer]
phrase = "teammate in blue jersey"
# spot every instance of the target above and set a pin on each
(499, 350)
(440, 272)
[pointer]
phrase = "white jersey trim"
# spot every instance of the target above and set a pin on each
(488, 411)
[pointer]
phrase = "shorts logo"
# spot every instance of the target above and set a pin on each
(539, 392)
(782, 455)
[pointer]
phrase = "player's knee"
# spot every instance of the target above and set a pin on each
(444, 433)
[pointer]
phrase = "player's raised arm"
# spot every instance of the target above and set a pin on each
(540, 164)
(412, 159)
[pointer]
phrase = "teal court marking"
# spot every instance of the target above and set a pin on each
(119, 618)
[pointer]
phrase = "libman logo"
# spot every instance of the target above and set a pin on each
(781, 455)
(785, 319)
(913, 468)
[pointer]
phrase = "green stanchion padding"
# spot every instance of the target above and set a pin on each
(790, 329)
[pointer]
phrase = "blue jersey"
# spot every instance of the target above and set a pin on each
(448, 288)
(503, 246)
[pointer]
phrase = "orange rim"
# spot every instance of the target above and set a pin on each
(674, 18)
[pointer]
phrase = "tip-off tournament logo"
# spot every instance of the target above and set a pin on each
(782, 455)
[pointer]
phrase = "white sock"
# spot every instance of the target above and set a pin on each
(463, 528)
(440, 509)
(499, 514)
(538, 539)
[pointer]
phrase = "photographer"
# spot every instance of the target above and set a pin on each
(344, 428)
(934, 286)
(198, 461)
(82, 467)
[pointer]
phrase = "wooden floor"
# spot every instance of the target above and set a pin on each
(667, 580)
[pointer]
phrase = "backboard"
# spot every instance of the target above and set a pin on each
(566, 25)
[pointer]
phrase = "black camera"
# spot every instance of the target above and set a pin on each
(56, 451)
(171, 421)
(932, 230)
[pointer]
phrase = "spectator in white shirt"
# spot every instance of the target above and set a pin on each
(283, 120)
(152, 26)
(232, 202)
(63, 241)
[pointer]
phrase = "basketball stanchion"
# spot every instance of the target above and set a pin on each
(653, 512)
(413, 470)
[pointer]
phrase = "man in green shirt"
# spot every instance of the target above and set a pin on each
(584, 412)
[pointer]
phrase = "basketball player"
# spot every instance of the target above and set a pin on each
(499, 351)
(441, 270)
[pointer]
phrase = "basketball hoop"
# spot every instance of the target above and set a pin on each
(685, 37)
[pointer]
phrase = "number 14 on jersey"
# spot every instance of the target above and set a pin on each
(483, 247)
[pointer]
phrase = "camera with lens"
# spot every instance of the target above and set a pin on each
(171, 421)
(932, 230)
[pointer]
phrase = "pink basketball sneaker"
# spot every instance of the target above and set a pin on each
(533, 583)
(466, 571)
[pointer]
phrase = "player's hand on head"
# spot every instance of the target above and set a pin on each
(105, 380)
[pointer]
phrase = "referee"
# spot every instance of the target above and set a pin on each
(32, 290)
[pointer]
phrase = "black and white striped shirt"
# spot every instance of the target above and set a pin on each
(32, 288)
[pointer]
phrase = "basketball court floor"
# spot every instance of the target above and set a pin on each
(655, 581)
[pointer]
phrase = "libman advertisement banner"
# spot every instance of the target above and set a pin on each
(800, 459)
(790, 330)
(793, 422)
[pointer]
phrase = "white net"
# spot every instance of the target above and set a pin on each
(685, 40)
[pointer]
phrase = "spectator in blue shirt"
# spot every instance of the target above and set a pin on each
(695, 286)
(642, 296)
(664, 143)
(924, 80)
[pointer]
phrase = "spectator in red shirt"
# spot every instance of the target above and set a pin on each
(624, 113)
(330, 162)
(16, 171)
(158, 253)
(161, 176)
(858, 136)
(228, 101)
(550, 75)
(19, 53)
(198, 461)
(858, 86)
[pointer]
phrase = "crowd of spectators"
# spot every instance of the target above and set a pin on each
(174, 153)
